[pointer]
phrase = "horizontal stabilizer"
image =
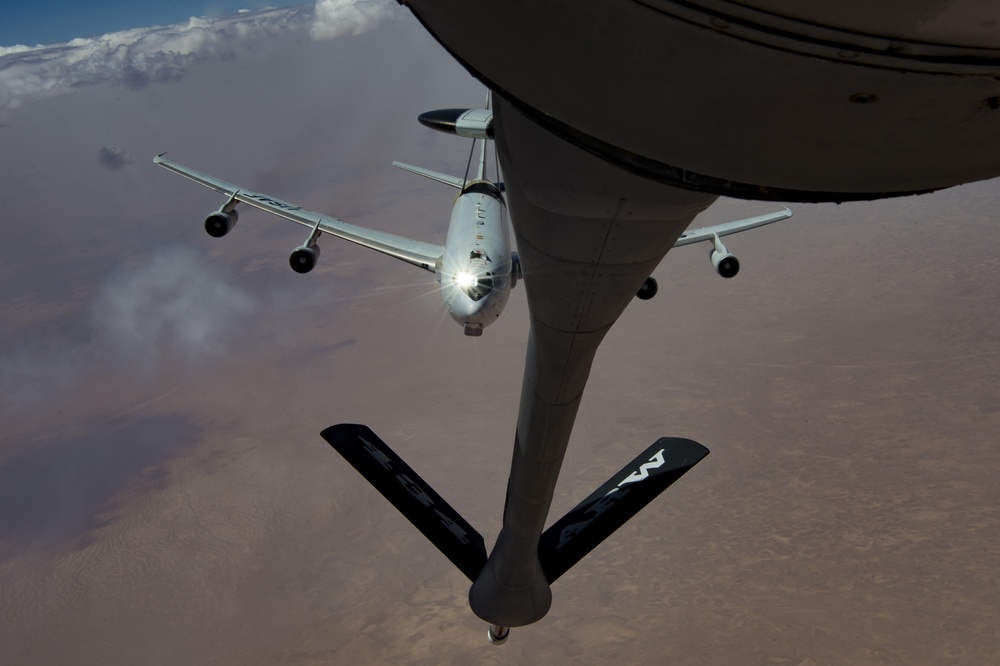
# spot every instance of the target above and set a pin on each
(416, 500)
(610, 506)
(454, 181)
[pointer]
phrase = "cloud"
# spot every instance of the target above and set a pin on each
(141, 57)
(9, 50)
(336, 18)
(112, 157)
(178, 306)
(175, 302)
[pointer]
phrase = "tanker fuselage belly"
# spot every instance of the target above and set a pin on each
(792, 101)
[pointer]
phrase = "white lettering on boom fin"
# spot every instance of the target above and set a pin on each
(605, 502)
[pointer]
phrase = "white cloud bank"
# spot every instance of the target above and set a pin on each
(177, 301)
(336, 18)
(143, 56)
(176, 307)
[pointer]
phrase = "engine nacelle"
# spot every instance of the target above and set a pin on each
(725, 264)
(221, 222)
(303, 259)
(647, 290)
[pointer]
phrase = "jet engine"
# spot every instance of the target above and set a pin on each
(221, 222)
(647, 290)
(724, 263)
(303, 258)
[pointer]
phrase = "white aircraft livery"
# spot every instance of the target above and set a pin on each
(476, 268)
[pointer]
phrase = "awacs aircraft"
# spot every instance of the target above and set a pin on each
(476, 269)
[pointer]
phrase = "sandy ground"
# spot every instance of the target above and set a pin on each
(167, 503)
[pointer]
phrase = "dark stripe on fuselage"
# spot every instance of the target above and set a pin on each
(482, 187)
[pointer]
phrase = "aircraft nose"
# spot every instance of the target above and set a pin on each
(469, 293)
(464, 309)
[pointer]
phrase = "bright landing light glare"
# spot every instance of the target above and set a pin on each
(465, 279)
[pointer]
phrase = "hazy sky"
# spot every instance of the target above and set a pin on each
(165, 496)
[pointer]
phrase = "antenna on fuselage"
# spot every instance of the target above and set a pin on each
(482, 160)
(482, 154)
(468, 165)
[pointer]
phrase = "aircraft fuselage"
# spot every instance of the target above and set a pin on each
(475, 270)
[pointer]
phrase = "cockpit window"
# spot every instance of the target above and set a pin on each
(480, 286)
(475, 280)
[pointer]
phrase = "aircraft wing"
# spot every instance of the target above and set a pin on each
(707, 233)
(423, 255)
